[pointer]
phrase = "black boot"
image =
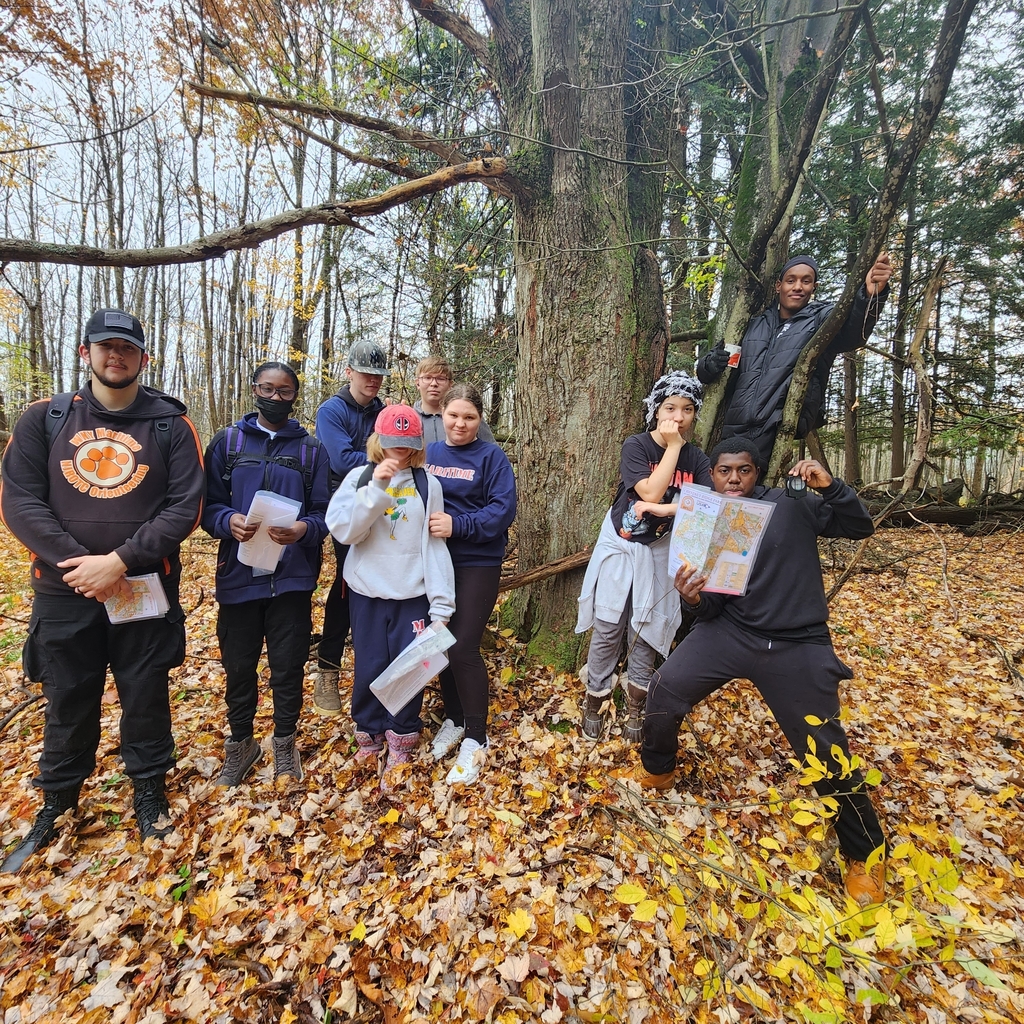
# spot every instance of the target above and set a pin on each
(152, 814)
(55, 803)
(594, 720)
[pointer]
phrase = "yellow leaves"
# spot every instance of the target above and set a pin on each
(676, 895)
(583, 923)
(670, 862)
(885, 929)
(358, 933)
(629, 893)
(390, 818)
(804, 818)
(509, 817)
(506, 675)
(214, 905)
(645, 911)
(519, 922)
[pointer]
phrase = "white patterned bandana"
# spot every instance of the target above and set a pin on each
(676, 382)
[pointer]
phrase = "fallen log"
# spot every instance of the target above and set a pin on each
(543, 572)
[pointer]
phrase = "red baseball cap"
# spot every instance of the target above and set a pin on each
(399, 426)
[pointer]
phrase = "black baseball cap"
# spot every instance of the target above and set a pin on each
(114, 323)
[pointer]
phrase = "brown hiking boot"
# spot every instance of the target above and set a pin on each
(865, 887)
(326, 698)
(646, 780)
(636, 703)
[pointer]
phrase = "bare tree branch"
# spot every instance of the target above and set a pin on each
(457, 26)
(421, 140)
(248, 236)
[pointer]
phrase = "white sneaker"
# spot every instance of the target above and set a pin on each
(447, 736)
(468, 764)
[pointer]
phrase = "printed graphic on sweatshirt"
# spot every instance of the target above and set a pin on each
(395, 513)
(452, 472)
(105, 463)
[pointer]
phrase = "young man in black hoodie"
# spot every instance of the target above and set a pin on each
(776, 635)
(100, 487)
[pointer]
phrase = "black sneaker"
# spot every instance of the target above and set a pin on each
(239, 757)
(55, 803)
(151, 812)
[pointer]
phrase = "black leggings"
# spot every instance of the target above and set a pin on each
(464, 683)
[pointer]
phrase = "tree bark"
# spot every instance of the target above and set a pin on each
(589, 307)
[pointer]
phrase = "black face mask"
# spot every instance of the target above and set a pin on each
(273, 409)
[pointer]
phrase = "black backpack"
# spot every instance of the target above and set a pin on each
(304, 462)
(60, 406)
(419, 475)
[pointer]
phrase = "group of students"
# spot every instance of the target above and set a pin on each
(420, 530)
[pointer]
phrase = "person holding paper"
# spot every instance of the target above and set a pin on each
(627, 585)
(773, 342)
(479, 507)
(399, 576)
(103, 485)
(266, 455)
(343, 423)
(776, 635)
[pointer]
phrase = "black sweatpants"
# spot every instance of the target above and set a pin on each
(336, 616)
(464, 683)
(284, 622)
(795, 679)
(71, 643)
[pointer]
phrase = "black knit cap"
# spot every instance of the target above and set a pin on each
(809, 261)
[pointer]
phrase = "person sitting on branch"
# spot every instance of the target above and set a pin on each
(771, 347)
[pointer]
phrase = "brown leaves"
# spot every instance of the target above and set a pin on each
(550, 890)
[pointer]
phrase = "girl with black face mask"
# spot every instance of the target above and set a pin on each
(265, 450)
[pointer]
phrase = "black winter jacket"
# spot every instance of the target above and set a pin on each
(770, 350)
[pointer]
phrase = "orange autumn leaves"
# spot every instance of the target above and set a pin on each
(552, 892)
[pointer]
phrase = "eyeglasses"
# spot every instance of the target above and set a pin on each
(269, 390)
(434, 380)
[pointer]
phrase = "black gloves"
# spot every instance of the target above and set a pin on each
(712, 366)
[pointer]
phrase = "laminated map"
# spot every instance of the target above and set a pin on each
(718, 534)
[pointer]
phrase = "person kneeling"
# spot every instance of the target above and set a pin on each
(776, 635)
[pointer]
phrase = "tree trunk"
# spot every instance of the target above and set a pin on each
(589, 308)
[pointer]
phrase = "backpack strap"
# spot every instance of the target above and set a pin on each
(309, 448)
(163, 439)
(56, 416)
(419, 476)
(233, 441)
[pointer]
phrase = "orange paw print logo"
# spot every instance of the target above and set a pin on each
(105, 463)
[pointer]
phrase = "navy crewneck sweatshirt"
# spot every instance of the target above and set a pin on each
(479, 494)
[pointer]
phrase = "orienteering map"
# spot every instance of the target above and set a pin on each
(720, 535)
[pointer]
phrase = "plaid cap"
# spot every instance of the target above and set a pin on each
(399, 426)
(114, 323)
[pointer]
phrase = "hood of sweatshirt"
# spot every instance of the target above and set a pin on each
(149, 404)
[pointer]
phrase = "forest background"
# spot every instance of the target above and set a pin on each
(560, 198)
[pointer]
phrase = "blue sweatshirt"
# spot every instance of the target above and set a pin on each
(480, 496)
(343, 426)
(300, 563)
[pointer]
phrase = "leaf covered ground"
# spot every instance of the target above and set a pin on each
(553, 891)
